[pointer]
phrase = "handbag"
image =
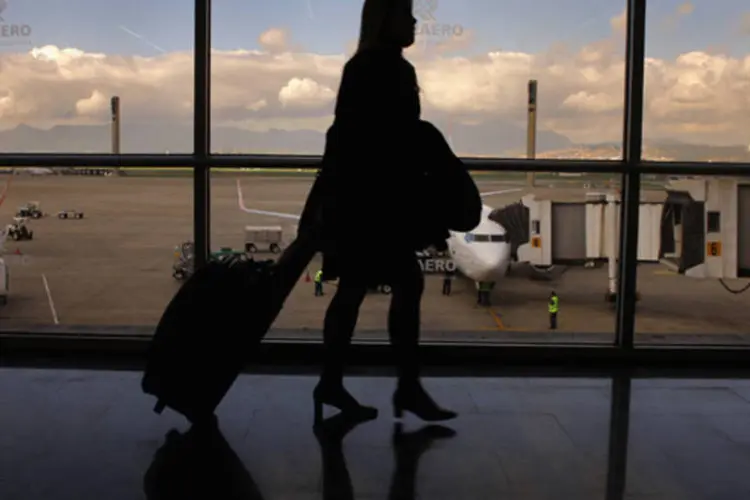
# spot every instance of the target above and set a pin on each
(450, 189)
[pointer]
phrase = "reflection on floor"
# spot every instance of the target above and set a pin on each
(91, 435)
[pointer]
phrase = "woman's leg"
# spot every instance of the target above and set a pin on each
(338, 329)
(407, 286)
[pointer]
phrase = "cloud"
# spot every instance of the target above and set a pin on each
(274, 39)
(698, 96)
(95, 105)
(305, 93)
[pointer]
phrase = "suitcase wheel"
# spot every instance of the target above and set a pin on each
(160, 405)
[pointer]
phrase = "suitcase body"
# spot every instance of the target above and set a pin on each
(213, 326)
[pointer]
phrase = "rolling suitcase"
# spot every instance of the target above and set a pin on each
(211, 327)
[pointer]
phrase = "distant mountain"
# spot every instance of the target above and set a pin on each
(152, 138)
(499, 138)
(676, 151)
(669, 150)
(496, 139)
(488, 139)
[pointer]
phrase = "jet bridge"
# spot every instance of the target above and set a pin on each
(705, 228)
(577, 229)
(515, 219)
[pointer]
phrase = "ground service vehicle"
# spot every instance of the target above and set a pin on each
(184, 261)
(184, 254)
(261, 237)
(18, 230)
(31, 209)
(69, 214)
(226, 251)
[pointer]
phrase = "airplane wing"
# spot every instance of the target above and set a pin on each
(241, 202)
(283, 215)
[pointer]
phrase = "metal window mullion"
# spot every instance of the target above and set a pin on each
(201, 132)
(631, 181)
(619, 430)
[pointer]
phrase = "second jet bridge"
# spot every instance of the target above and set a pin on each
(515, 219)
(705, 227)
(682, 231)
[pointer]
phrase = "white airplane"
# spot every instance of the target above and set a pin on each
(482, 254)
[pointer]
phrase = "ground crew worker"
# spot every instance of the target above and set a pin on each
(483, 293)
(319, 283)
(553, 306)
(447, 282)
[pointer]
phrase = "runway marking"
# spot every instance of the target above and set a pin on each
(500, 325)
(49, 299)
(5, 190)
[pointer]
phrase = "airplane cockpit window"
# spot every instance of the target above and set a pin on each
(485, 238)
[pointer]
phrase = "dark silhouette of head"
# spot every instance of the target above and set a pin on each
(387, 23)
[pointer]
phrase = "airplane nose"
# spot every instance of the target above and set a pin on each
(495, 260)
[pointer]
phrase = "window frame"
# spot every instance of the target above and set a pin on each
(40, 345)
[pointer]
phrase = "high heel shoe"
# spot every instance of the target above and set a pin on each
(414, 399)
(338, 397)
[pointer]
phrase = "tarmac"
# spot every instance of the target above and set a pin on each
(114, 268)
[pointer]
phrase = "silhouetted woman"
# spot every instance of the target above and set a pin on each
(373, 210)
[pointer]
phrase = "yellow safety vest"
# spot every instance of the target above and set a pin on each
(554, 304)
(318, 276)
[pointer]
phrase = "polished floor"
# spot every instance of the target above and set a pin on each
(83, 435)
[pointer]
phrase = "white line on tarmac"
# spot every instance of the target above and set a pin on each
(49, 299)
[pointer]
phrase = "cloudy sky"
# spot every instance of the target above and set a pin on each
(277, 64)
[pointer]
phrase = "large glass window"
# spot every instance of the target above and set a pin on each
(91, 250)
(501, 81)
(691, 278)
(697, 70)
(275, 76)
(93, 246)
(540, 234)
(62, 65)
(693, 253)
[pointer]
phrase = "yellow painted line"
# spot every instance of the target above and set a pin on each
(500, 325)
(665, 272)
